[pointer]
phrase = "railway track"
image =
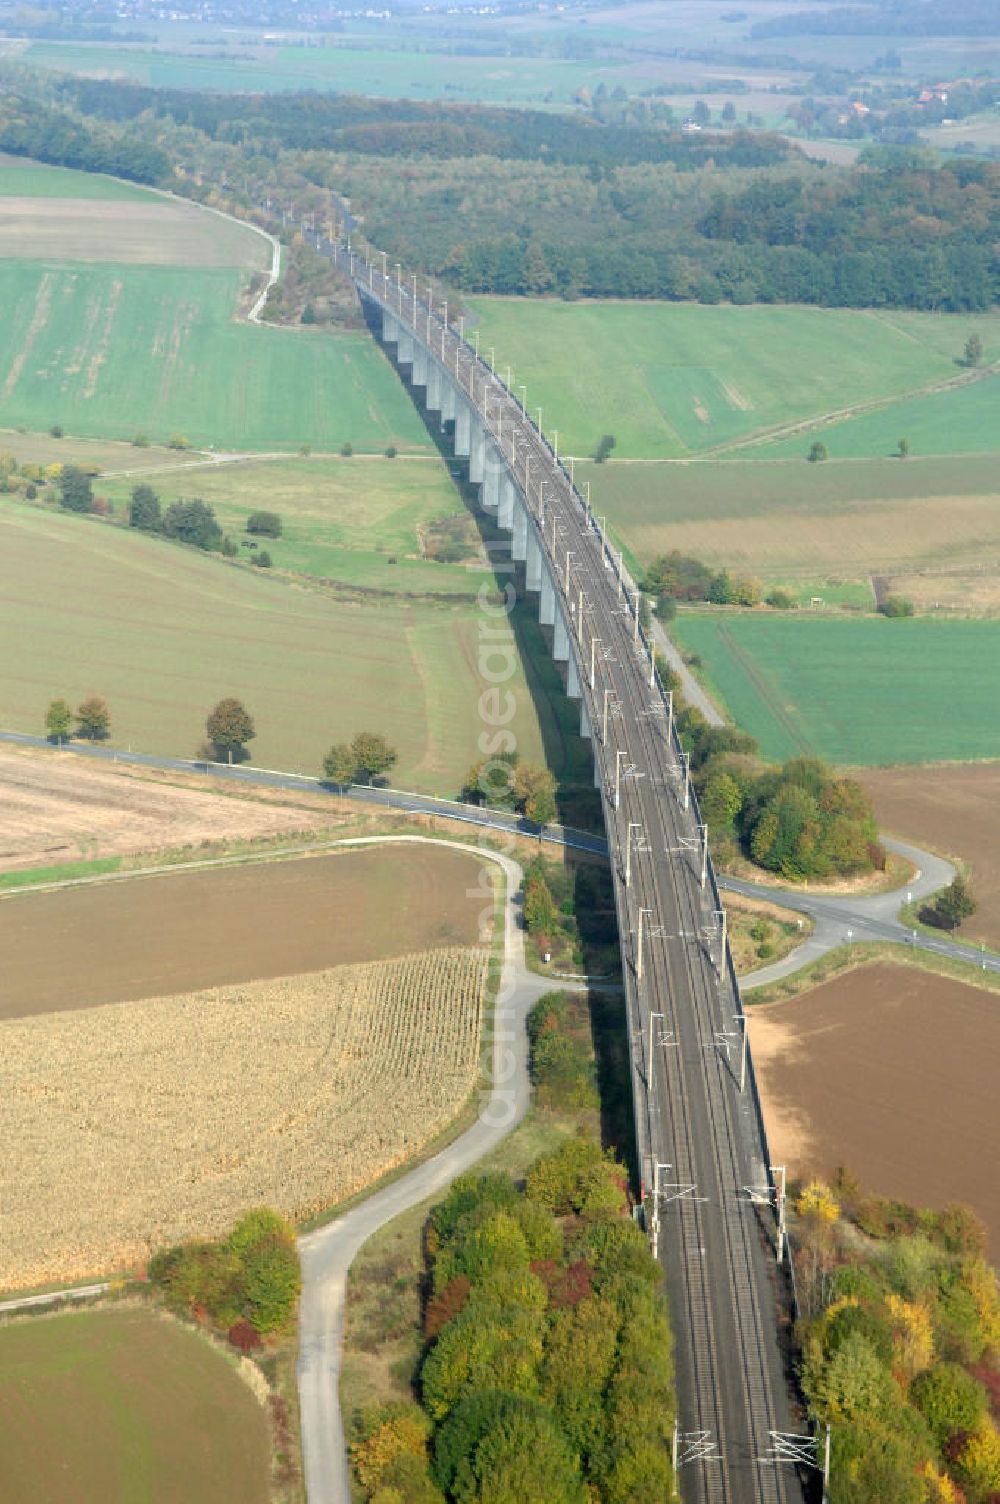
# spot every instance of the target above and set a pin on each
(710, 1194)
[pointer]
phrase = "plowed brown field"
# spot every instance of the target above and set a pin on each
(176, 932)
(955, 809)
(891, 1071)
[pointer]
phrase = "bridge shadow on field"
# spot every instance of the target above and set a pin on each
(567, 754)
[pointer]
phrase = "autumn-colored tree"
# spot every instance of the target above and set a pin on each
(535, 793)
(93, 718)
(389, 1432)
(229, 728)
(339, 764)
(373, 755)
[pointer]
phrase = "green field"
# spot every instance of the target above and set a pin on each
(676, 379)
(355, 520)
(867, 691)
(22, 178)
(125, 1407)
(112, 350)
(382, 73)
(164, 632)
(819, 529)
(960, 421)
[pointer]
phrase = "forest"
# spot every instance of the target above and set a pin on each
(529, 203)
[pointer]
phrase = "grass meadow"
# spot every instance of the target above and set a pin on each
(356, 521)
(866, 691)
(818, 530)
(20, 177)
(381, 72)
(672, 380)
(164, 632)
(111, 350)
(125, 1404)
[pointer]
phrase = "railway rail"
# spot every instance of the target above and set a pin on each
(713, 1202)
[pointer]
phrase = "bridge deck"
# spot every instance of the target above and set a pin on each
(701, 1141)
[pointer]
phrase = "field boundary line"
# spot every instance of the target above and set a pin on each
(800, 426)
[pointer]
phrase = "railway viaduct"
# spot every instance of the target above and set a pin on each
(713, 1203)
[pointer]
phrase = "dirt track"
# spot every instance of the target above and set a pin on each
(891, 1071)
(59, 808)
(179, 932)
(955, 809)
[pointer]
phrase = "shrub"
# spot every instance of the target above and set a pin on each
(576, 1177)
(389, 1432)
(263, 559)
(949, 1399)
(267, 524)
(192, 522)
(391, 452)
(31, 490)
(244, 1336)
(347, 449)
(895, 606)
(817, 453)
(56, 431)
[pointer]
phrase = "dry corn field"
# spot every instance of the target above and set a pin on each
(134, 1125)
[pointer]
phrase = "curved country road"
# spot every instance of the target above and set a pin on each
(327, 1253)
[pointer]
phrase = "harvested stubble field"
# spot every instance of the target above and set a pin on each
(796, 524)
(954, 810)
(134, 1125)
(123, 1405)
(60, 808)
(891, 1071)
(182, 931)
(151, 232)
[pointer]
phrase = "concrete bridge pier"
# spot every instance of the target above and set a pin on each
(507, 508)
(547, 604)
(586, 734)
(533, 571)
(573, 690)
(477, 452)
(390, 328)
(404, 347)
(434, 385)
(560, 640)
(418, 376)
(449, 402)
(463, 429)
(519, 542)
(492, 472)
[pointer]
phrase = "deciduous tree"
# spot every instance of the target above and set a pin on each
(58, 721)
(144, 509)
(76, 493)
(229, 728)
(93, 718)
(373, 754)
(340, 764)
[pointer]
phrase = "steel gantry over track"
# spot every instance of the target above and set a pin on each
(713, 1203)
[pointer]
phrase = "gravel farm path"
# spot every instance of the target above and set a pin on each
(328, 1252)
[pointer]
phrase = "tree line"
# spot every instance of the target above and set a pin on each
(897, 1346)
(547, 1370)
